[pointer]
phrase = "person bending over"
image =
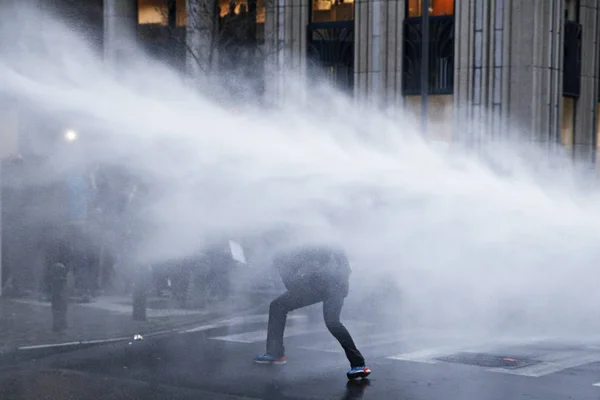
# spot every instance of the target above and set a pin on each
(312, 274)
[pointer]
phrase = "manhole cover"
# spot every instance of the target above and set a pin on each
(488, 360)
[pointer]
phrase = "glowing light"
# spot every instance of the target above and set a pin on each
(70, 135)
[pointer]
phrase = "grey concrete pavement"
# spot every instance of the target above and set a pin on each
(26, 323)
(213, 360)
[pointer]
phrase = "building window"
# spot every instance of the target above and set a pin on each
(156, 12)
(332, 10)
(441, 56)
(227, 7)
(330, 50)
(572, 42)
(238, 36)
(241, 20)
(572, 10)
(436, 8)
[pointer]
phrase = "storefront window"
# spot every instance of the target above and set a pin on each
(436, 8)
(332, 10)
(157, 11)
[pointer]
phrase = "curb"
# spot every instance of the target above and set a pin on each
(34, 352)
(29, 353)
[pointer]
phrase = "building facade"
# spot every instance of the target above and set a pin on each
(523, 68)
(527, 69)
(513, 68)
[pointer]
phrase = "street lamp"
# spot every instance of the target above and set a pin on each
(424, 64)
(70, 135)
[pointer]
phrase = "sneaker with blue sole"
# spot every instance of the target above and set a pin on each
(269, 359)
(358, 372)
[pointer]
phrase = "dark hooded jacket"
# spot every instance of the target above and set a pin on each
(321, 270)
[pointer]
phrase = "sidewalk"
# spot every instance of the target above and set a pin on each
(27, 323)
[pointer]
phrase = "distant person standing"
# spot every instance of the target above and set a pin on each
(312, 274)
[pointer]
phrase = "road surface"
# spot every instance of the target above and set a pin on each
(214, 361)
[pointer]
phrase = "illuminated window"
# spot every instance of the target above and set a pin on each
(436, 8)
(226, 7)
(238, 23)
(157, 12)
(152, 12)
(332, 10)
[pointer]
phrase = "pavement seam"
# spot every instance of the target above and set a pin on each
(69, 344)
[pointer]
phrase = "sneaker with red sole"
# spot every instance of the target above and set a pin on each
(358, 372)
(269, 359)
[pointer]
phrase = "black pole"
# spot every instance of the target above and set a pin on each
(424, 64)
(59, 297)
(172, 14)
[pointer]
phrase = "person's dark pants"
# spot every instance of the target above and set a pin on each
(332, 309)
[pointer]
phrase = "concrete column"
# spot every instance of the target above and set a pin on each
(597, 87)
(286, 24)
(508, 69)
(120, 29)
(273, 47)
(201, 37)
(393, 21)
(296, 19)
(280, 54)
(464, 69)
(378, 52)
(546, 60)
(481, 84)
(364, 55)
(361, 49)
(587, 104)
(376, 56)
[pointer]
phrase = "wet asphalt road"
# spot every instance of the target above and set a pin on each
(213, 361)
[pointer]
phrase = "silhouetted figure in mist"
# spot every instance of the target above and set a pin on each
(84, 264)
(58, 297)
(312, 274)
(181, 274)
(56, 250)
(117, 204)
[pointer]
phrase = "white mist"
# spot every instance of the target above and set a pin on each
(468, 248)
